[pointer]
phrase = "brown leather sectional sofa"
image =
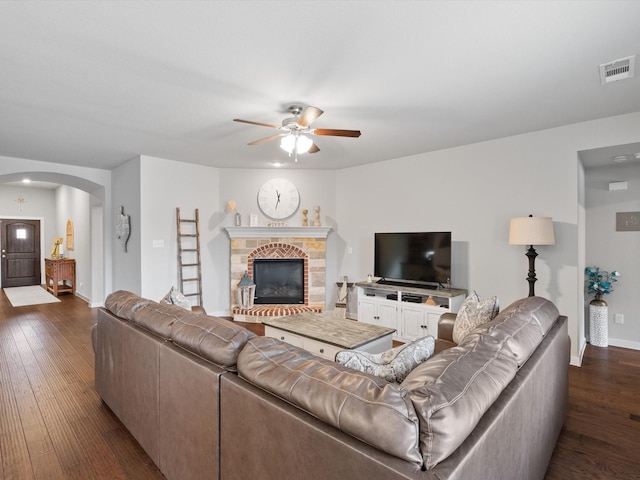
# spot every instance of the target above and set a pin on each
(206, 398)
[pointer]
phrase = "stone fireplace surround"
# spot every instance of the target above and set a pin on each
(308, 243)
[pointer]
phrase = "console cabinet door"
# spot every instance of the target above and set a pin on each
(432, 322)
(413, 323)
(367, 310)
(381, 312)
(388, 315)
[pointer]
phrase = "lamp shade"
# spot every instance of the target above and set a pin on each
(531, 231)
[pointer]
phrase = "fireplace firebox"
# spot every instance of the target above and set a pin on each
(279, 280)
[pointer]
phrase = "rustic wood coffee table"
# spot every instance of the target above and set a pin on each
(325, 336)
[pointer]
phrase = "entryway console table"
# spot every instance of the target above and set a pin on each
(405, 308)
(60, 275)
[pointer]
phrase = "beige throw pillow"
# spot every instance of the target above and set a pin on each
(393, 365)
(474, 312)
(176, 297)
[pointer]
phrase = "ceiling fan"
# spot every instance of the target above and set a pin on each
(294, 139)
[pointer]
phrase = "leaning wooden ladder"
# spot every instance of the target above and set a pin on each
(189, 268)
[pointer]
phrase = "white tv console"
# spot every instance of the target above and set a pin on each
(411, 320)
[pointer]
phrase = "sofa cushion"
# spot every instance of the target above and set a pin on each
(452, 390)
(393, 365)
(159, 317)
(211, 338)
(124, 304)
(474, 312)
(365, 406)
(523, 325)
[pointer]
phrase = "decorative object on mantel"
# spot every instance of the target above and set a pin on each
(245, 291)
(305, 219)
(599, 283)
(278, 224)
(231, 207)
(316, 222)
(253, 220)
(69, 233)
(531, 231)
(123, 229)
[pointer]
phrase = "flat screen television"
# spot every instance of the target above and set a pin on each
(416, 257)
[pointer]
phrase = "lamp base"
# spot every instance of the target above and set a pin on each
(531, 277)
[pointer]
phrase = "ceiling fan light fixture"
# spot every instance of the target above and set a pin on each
(288, 143)
(304, 144)
(296, 143)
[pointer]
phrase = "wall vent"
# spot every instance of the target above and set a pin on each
(617, 70)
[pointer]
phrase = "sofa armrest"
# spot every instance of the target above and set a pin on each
(445, 326)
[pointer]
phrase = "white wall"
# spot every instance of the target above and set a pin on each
(127, 264)
(165, 185)
(613, 250)
(474, 191)
(73, 204)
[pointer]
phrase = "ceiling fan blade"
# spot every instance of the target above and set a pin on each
(267, 139)
(308, 116)
(314, 148)
(336, 133)
(256, 123)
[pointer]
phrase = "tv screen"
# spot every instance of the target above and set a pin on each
(423, 257)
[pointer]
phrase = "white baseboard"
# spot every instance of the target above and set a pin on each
(577, 361)
(615, 342)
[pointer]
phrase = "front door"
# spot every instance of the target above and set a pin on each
(20, 248)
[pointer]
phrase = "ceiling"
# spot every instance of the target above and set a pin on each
(97, 83)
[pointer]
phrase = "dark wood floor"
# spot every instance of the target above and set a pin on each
(54, 426)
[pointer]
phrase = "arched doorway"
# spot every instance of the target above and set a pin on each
(93, 231)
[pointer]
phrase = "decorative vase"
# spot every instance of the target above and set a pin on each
(238, 219)
(598, 322)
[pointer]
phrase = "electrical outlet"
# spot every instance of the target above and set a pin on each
(618, 318)
(158, 244)
(349, 251)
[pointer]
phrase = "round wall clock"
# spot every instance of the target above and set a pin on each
(278, 198)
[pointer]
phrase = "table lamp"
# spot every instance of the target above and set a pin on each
(531, 231)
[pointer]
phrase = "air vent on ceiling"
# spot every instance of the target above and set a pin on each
(617, 70)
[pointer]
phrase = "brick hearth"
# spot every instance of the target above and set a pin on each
(308, 243)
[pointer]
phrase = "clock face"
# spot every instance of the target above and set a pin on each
(278, 198)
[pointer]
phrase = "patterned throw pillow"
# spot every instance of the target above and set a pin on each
(393, 365)
(474, 312)
(177, 298)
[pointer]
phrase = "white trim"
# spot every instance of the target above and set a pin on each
(614, 342)
(278, 232)
(577, 361)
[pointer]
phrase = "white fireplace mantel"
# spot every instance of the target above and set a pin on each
(279, 232)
